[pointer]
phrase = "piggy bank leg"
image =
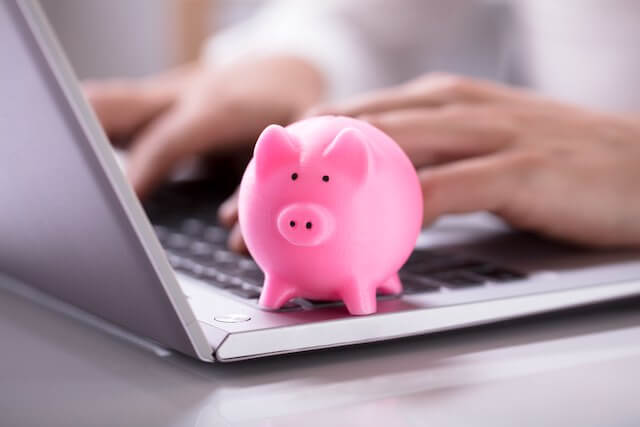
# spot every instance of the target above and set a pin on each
(359, 299)
(392, 285)
(275, 293)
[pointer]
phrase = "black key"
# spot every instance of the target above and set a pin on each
(225, 257)
(215, 235)
(177, 241)
(419, 255)
(499, 274)
(416, 285)
(192, 227)
(200, 249)
(440, 263)
(255, 275)
(230, 268)
(248, 264)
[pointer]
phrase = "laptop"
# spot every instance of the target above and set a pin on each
(71, 227)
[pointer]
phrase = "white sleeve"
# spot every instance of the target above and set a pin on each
(316, 31)
(357, 44)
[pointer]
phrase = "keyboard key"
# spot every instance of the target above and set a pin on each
(226, 257)
(198, 270)
(177, 241)
(440, 263)
(256, 278)
(192, 227)
(201, 249)
(215, 235)
(247, 264)
(415, 284)
(499, 274)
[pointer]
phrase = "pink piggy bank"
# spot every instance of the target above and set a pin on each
(330, 208)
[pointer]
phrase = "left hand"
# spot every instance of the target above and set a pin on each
(200, 109)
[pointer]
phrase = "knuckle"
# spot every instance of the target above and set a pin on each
(434, 76)
(523, 170)
(448, 81)
(449, 85)
(455, 84)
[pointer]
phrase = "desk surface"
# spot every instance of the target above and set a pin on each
(579, 368)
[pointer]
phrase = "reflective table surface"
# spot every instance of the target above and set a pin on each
(575, 368)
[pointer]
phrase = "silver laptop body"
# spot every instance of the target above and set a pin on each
(71, 227)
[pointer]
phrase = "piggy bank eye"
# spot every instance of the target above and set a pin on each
(294, 176)
(325, 178)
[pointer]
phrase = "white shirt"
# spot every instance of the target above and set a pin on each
(581, 51)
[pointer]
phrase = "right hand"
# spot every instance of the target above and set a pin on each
(559, 170)
(196, 110)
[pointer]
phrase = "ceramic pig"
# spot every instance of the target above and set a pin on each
(330, 208)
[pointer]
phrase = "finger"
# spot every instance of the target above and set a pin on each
(108, 100)
(228, 211)
(372, 102)
(168, 141)
(432, 91)
(402, 97)
(479, 184)
(236, 241)
(436, 136)
(125, 105)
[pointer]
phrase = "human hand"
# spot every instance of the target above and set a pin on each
(196, 110)
(555, 169)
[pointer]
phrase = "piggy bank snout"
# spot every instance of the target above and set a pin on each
(305, 224)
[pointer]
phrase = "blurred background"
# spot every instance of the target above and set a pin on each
(134, 38)
(579, 51)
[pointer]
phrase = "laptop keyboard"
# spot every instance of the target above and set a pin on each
(198, 248)
(184, 221)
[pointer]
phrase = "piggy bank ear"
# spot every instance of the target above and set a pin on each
(349, 151)
(274, 149)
